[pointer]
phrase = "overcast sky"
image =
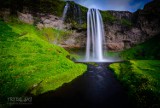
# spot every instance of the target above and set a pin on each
(121, 5)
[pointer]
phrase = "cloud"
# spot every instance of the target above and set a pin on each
(120, 5)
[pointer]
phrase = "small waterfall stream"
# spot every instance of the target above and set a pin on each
(66, 8)
(72, 12)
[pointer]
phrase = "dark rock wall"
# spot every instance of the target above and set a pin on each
(145, 24)
(124, 30)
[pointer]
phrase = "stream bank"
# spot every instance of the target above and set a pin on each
(97, 88)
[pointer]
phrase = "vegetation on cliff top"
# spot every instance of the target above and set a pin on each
(43, 6)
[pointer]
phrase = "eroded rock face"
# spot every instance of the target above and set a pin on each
(27, 18)
(43, 20)
(119, 34)
(75, 40)
(145, 24)
(51, 21)
(148, 19)
(118, 46)
(122, 14)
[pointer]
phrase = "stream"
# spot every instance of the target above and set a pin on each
(96, 88)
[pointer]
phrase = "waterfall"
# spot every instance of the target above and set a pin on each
(65, 11)
(72, 12)
(95, 36)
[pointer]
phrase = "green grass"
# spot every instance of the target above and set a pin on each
(142, 80)
(54, 35)
(112, 54)
(107, 17)
(140, 74)
(126, 22)
(28, 63)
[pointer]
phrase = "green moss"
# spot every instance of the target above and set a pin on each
(78, 26)
(29, 63)
(112, 54)
(84, 13)
(116, 68)
(126, 22)
(46, 6)
(142, 78)
(107, 17)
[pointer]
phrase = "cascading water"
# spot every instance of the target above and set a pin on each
(72, 12)
(65, 11)
(95, 36)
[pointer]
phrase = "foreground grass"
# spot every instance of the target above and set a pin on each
(29, 63)
(142, 79)
(140, 74)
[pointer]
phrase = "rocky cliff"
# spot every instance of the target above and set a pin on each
(143, 25)
(123, 29)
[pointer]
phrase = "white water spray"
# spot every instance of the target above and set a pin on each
(95, 36)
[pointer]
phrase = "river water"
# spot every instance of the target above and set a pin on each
(96, 88)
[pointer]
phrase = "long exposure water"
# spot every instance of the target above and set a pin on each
(95, 36)
(96, 88)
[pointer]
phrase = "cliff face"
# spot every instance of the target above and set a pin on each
(122, 33)
(122, 14)
(123, 29)
(144, 24)
(148, 19)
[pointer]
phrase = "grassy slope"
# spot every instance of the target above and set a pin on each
(30, 63)
(55, 36)
(141, 73)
